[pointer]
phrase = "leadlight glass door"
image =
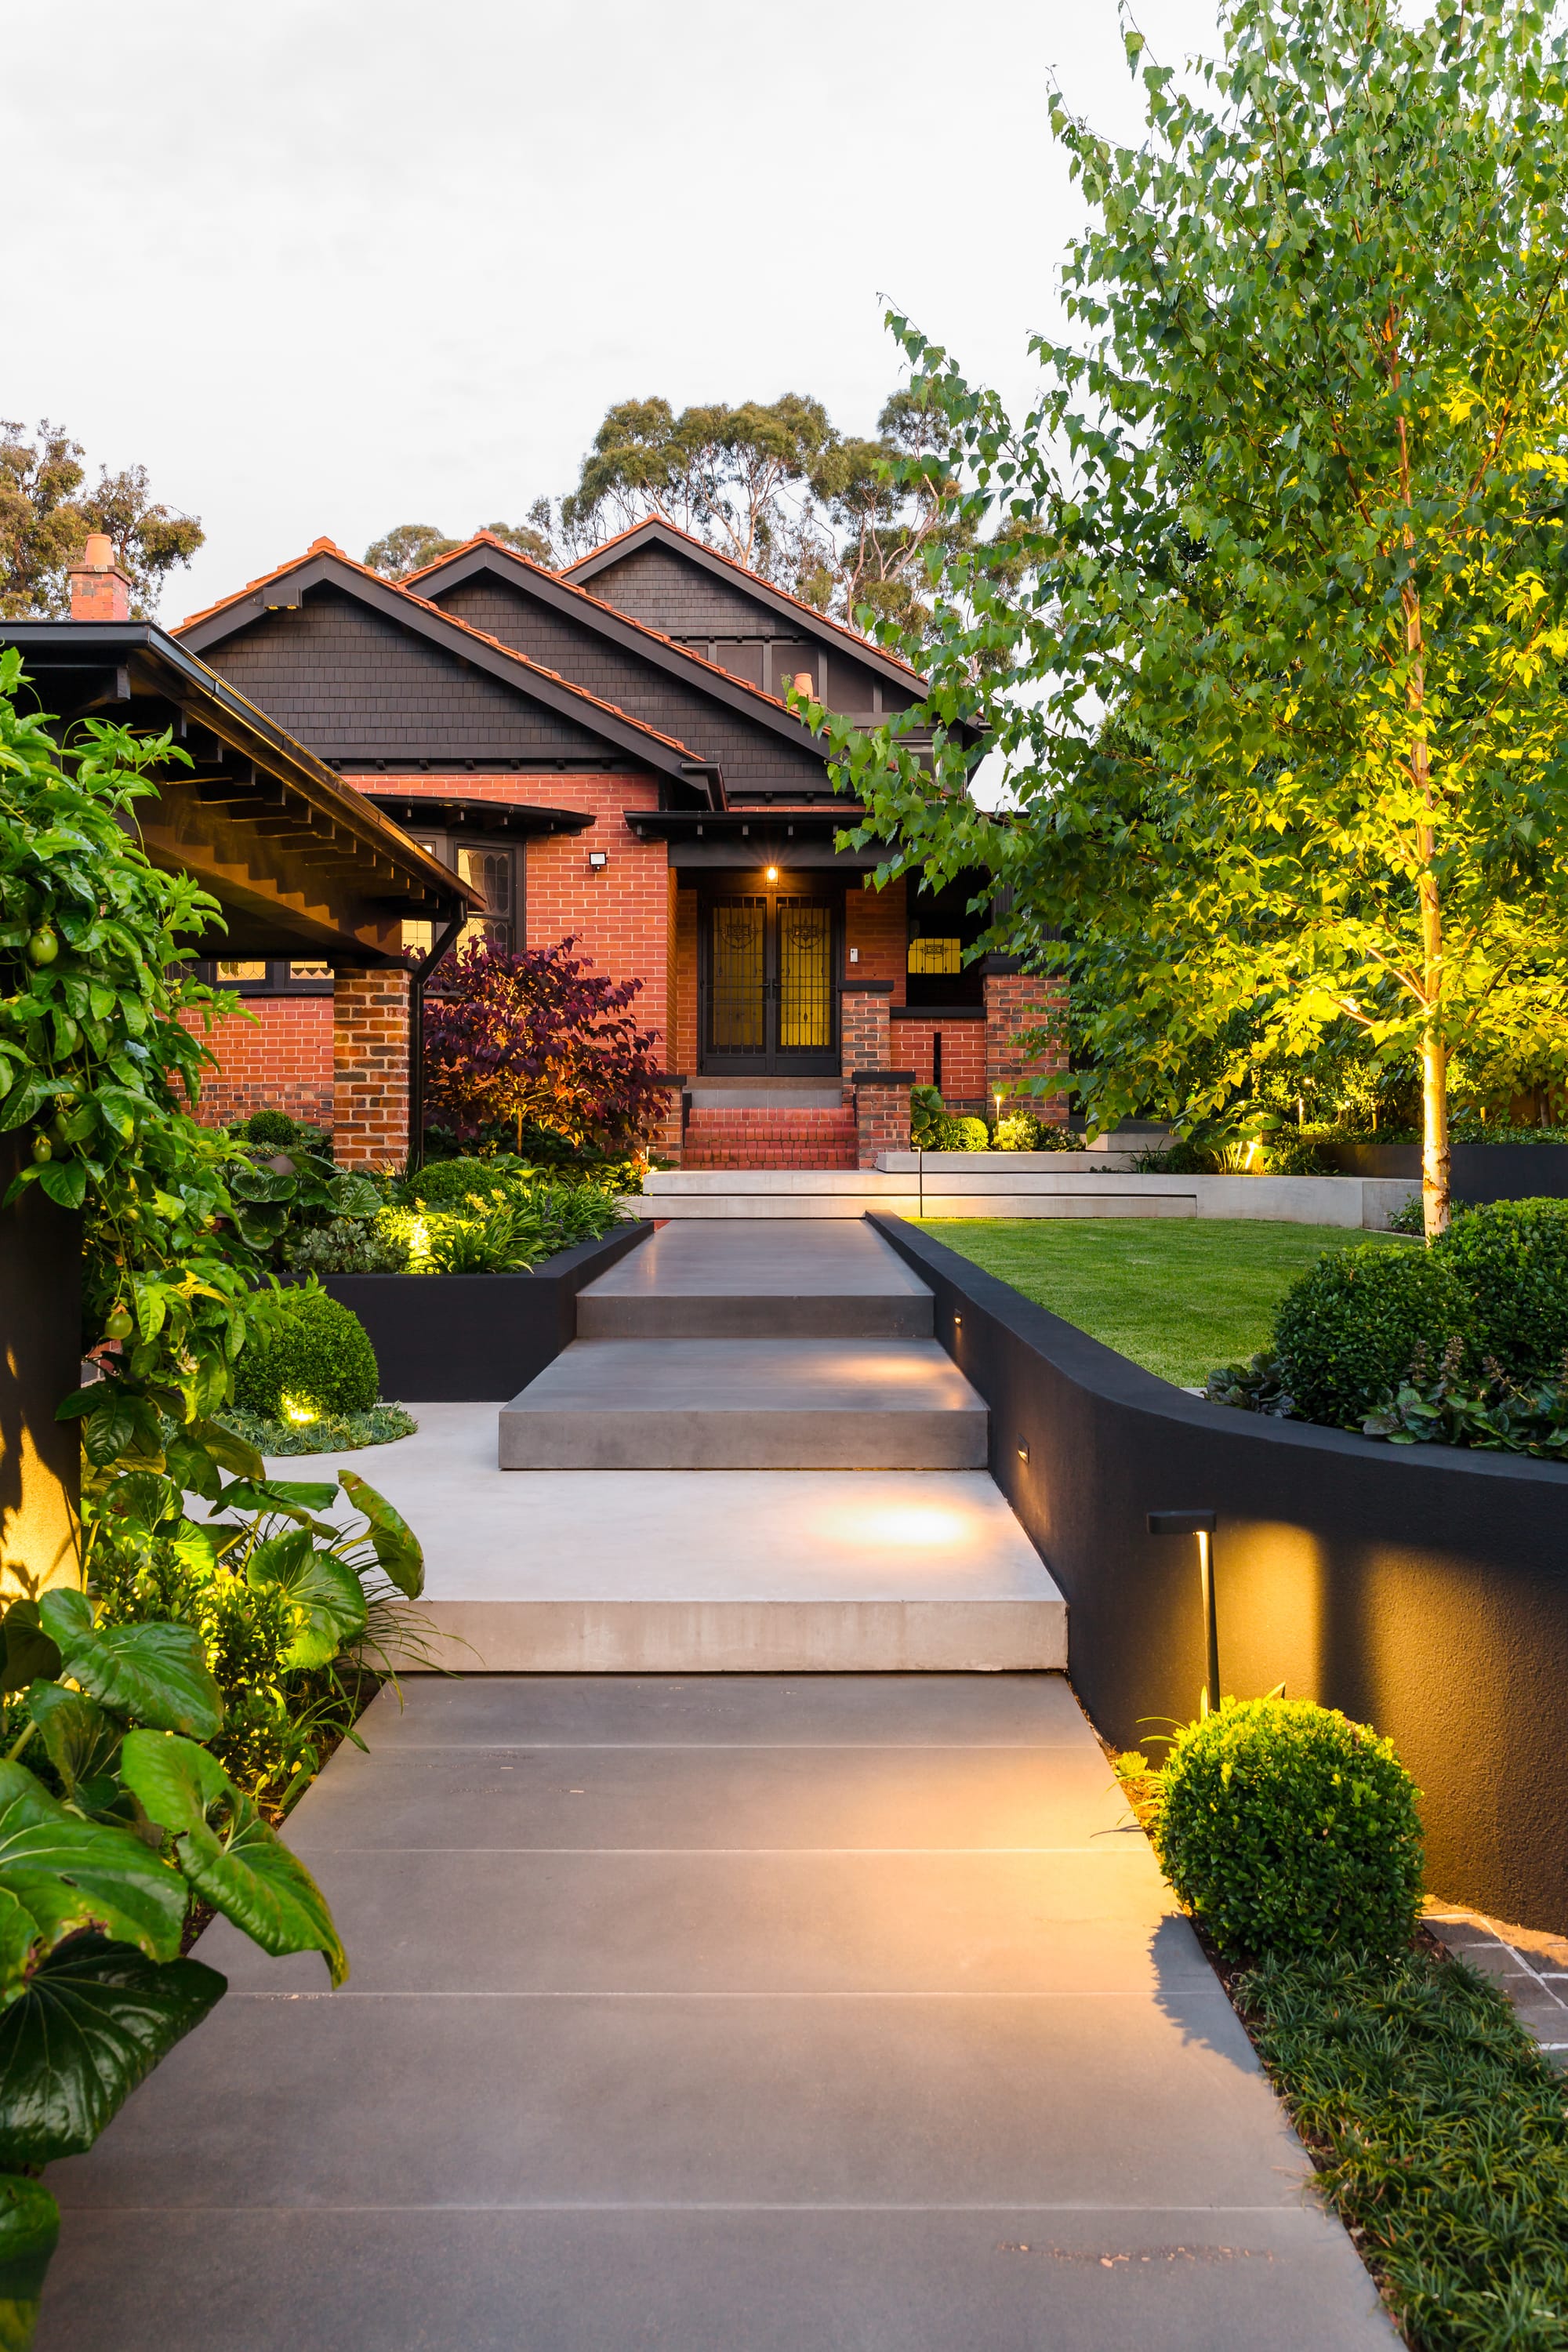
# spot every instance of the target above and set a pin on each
(769, 999)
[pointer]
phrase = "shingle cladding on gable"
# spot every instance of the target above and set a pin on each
(353, 684)
(673, 593)
(756, 758)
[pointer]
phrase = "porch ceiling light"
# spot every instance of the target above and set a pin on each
(772, 874)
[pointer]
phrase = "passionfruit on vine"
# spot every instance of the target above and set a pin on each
(42, 1149)
(43, 946)
(117, 1324)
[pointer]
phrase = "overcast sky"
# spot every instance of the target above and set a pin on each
(326, 266)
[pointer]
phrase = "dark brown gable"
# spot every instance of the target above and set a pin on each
(761, 634)
(355, 685)
(761, 750)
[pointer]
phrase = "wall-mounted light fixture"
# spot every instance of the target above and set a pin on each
(1202, 1525)
(1023, 1449)
(772, 874)
(597, 860)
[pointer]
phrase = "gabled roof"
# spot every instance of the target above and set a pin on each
(485, 551)
(325, 562)
(654, 532)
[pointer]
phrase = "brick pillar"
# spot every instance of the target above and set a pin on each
(867, 1042)
(1016, 1001)
(881, 1113)
(669, 1121)
(370, 1068)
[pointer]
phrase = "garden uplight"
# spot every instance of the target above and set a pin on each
(297, 1410)
(1202, 1525)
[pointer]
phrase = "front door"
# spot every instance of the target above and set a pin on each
(769, 1003)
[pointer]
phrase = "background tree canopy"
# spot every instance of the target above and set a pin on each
(1266, 601)
(827, 516)
(46, 516)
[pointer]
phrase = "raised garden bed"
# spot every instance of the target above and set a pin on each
(1478, 1171)
(468, 1338)
(1422, 1588)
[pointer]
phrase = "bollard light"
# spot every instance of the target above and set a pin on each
(1202, 1525)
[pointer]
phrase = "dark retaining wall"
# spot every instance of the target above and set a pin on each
(1478, 1171)
(1422, 1588)
(40, 1361)
(473, 1337)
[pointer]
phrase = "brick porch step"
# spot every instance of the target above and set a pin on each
(776, 1136)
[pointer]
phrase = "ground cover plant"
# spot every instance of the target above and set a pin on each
(1439, 2131)
(1174, 1295)
(325, 1432)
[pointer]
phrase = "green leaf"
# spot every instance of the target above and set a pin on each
(29, 1650)
(262, 1184)
(398, 1551)
(92, 2024)
(67, 1615)
(288, 1495)
(326, 1592)
(157, 1674)
(64, 1181)
(30, 2227)
(143, 1497)
(80, 1741)
(18, 1938)
(70, 1873)
(25, 1099)
(227, 1852)
(228, 1450)
(353, 1196)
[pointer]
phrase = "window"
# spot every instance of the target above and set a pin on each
(235, 972)
(269, 975)
(942, 929)
(932, 955)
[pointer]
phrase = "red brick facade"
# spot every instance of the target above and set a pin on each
(370, 1068)
(281, 1059)
(876, 942)
(1016, 1001)
(963, 1069)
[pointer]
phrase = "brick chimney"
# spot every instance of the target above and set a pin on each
(100, 590)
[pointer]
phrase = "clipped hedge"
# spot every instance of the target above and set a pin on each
(303, 1349)
(1289, 1830)
(1347, 1330)
(1510, 1258)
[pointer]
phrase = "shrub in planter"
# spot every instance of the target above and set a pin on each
(1510, 1257)
(274, 1128)
(1347, 1329)
(1289, 1830)
(346, 1246)
(303, 1349)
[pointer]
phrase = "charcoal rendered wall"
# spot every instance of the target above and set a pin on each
(40, 1355)
(1423, 1590)
(1478, 1171)
(468, 1338)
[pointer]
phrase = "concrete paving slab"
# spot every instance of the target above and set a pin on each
(676, 1799)
(750, 1926)
(1006, 1710)
(1077, 2279)
(714, 1280)
(582, 2101)
(747, 1404)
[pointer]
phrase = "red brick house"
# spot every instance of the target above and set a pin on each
(608, 752)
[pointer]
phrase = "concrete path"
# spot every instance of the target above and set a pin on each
(730, 2014)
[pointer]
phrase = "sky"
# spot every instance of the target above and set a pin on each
(327, 266)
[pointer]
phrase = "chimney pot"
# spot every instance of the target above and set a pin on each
(100, 590)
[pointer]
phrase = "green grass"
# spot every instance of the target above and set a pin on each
(1440, 2136)
(1180, 1297)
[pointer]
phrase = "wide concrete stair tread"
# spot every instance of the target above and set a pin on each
(719, 1281)
(701, 1404)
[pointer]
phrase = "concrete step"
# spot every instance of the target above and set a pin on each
(735, 1572)
(710, 1280)
(747, 1404)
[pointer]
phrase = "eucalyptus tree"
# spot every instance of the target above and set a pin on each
(1280, 680)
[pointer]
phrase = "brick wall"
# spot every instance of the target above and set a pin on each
(1016, 1001)
(875, 923)
(963, 1069)
(620, 915)
(882, 1120)
(370, 1068)
(281, 1060)
(865, 1030)
(683, 1017)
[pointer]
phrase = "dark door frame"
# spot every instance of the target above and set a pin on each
(773, 1060)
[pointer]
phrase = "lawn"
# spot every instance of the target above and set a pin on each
(1179, 1297)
